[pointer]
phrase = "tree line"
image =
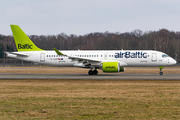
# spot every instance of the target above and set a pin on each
(161, 40)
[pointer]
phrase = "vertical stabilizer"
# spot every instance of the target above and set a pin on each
(23, 43)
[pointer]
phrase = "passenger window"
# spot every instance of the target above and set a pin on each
(97, 55)
(47, 55)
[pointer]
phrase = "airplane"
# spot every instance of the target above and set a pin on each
(108, 61)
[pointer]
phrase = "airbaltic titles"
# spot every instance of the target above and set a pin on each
(131, 55)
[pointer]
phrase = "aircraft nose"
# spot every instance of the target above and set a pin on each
(173, 62)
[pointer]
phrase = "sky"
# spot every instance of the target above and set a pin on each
(80, 17)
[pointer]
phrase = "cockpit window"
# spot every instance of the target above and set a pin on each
(164, 55)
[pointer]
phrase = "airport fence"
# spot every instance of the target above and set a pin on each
(15, 62)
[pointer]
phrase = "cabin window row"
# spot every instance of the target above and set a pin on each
(88, 55)
(79, 56)
(55, 56)
(93, 55)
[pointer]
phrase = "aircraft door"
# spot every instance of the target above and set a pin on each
(105, 55)
(42, 57)
(154, 57)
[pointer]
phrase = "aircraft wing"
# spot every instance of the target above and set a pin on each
(92, 62)
(85, 61)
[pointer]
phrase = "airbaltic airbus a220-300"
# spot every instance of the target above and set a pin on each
(107, 60)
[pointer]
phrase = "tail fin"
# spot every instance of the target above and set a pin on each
(23, 43)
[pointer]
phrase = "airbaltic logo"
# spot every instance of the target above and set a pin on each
(110, 67)
(25, 46)
(131, 55)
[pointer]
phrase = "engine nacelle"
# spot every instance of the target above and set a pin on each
(112, 67)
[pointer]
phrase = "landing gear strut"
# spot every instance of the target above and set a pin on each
(94, 72)
(161, 73)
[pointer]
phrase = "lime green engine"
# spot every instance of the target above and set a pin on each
(112, 67)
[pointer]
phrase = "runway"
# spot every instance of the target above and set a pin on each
(85, 76)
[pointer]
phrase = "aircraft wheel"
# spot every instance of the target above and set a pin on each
(95, 72)
(90, 72)
(161, 73)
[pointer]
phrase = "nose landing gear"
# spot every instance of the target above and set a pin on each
(161, 67)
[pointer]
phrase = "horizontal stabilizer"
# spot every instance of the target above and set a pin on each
(17, 53)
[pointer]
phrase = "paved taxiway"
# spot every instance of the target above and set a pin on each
(85, 76)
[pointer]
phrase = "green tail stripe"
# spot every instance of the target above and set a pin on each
(23, 43)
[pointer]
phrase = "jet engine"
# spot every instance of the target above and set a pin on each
(112, 67)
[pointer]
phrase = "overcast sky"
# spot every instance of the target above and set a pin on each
(51, 17)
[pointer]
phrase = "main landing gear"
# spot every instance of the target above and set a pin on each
(161, 73)
(94, 72)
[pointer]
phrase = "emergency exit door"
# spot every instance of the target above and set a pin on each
(105, 55)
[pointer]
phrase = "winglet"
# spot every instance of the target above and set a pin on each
(57, 51)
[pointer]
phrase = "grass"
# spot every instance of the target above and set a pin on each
(90, 99)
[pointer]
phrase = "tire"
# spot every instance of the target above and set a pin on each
(95, 72)
(161, 73)
(90, 72)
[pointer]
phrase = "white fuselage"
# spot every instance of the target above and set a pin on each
(129, 58)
